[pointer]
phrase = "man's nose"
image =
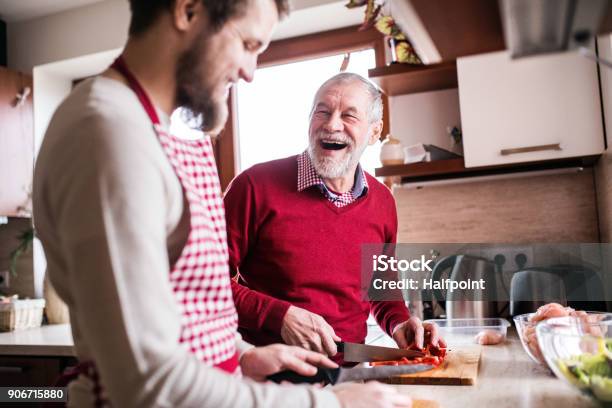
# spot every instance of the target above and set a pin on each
(333, 123)
(247, 71)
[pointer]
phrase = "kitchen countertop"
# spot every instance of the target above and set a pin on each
(50, 340)
(507, 378)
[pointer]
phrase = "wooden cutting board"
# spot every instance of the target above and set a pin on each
(425, 404)
(459, 368)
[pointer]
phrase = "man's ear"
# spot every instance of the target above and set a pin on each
(186, 13)
(375, 131)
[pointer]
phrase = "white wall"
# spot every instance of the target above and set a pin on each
(85, 30)
(103, 26)
(53, 83)
(423, 117)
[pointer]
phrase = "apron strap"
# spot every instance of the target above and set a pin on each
(123, 69)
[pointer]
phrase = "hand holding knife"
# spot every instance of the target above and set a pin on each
(355, 352)
(340, 375)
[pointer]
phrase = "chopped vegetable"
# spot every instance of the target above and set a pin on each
(433, 356)
(591, 371)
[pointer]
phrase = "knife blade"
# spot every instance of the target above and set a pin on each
(340, 375)
(359, 353)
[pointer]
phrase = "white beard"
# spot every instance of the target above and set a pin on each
(330, 168)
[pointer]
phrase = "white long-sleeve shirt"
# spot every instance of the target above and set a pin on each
(110, 213)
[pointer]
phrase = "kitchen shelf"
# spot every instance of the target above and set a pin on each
(455, 168)
(399, 79)
(420, 169)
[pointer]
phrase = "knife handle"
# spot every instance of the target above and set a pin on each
(340, 346)
(323, 375)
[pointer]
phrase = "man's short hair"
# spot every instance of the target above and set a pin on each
(145, 12)
(375, 112)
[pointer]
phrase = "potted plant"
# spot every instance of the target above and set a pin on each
(55, 309)
(25, 244)
(401, 49)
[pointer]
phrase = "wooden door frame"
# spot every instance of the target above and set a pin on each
(285, 51)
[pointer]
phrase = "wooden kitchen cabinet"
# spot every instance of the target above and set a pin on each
(401, 79)
(442, 30)
(531, 109)
(16, 143)
(32, 371)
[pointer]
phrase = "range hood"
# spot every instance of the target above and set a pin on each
(534, 27)
(444, 30)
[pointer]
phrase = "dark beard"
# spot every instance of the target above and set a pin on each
(199, 111)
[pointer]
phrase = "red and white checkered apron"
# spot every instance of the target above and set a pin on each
(200, 277)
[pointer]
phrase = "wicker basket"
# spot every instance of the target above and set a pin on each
(21, 314)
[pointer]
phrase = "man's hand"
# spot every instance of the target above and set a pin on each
(415, 334)
(259, 362)
(370, 395)
(308, 330)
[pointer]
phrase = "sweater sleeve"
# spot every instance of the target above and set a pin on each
(256, 310)
(107, 201)
(389, 314)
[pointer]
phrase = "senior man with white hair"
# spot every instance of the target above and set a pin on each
(295, 229)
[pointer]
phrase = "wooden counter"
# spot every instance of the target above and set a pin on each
(51, 340)
(508, 378)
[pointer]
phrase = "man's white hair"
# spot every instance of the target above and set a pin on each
(375, 112)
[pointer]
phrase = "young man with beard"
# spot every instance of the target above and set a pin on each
(132, 222)
(296, 225)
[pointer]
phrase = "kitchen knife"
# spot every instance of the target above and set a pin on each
(358, 353)
(340, 375)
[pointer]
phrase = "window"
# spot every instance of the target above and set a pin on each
(273, 110)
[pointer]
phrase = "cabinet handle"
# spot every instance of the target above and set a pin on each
(11, 370)
(516, 150)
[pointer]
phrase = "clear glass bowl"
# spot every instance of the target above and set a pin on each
(578, 350)
(527, 334)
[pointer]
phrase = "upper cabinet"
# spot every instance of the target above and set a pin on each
(531, 109)
(16, 143)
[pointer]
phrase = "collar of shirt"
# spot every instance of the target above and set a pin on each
(308, 177)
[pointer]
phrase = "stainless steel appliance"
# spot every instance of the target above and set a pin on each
(570, 285)
(534, 27)
(359, 353)
(467, 303)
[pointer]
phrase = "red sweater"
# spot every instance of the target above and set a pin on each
(298, 248)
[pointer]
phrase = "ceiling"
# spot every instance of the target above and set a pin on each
(20, 10)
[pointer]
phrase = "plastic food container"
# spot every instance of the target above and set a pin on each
(464, 331)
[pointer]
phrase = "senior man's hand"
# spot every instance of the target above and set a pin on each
(413, 333)
(308, 330)
(259, 362)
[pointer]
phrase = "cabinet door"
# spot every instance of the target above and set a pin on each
(26, 371)
(520, 110)
(16, 142)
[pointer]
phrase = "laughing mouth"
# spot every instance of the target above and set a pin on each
(332, 144)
